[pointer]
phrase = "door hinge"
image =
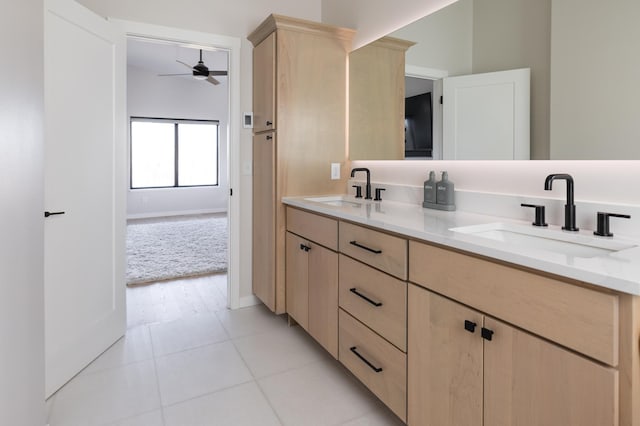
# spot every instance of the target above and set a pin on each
(230, 192)
(441, 99)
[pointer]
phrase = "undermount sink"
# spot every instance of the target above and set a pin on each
(335, 200)
(556, 241)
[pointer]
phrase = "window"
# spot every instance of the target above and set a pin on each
(169, 153)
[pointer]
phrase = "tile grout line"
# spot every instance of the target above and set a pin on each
(255, 380)
(155, 372)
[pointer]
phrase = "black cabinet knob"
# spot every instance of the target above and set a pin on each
(470, 326)
(486, 333)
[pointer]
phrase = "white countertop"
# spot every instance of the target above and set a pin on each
(618, 271)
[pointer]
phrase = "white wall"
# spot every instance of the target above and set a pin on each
(21, 216)
(173, 97)
(594, 88)
(376, 18)
(236, 19)
(444, 39)
(509, 34)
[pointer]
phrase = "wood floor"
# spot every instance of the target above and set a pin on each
(171, 300)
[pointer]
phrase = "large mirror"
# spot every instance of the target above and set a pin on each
(584, 72)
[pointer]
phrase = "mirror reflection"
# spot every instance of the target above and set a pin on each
(583, 81)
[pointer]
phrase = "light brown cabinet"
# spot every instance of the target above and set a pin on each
(468, 368)
(264, 88)
(376, 362)
(378, 300)
(469, 340)
(312, 276)
(376, 100)
(299, 102)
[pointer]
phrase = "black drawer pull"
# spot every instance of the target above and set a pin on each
(357, 293)
(486, 333)
(47, 214)
(366, 361)
(269, 123)
(269, 138)
(470, 326)
(355, 243)
(305, 248)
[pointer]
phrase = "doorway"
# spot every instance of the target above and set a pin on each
(227, 49)
(419, 81)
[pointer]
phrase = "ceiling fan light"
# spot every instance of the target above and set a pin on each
(199, 76)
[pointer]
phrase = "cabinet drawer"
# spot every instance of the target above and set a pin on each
(380, 250)
(319, 229)
(376, 362)
(579, 318)
(375, 298)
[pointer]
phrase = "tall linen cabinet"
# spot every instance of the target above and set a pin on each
(299, 111)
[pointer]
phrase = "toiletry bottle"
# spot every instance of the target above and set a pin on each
(444, 190)
(430, 189)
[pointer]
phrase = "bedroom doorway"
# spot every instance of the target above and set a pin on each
(182, 104)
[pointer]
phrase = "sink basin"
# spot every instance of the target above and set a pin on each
(335, 200)
(556, 241)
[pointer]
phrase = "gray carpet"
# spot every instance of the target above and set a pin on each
(176, 247)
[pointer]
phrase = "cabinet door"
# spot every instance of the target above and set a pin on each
(264, 204)
(264, 74)
(529, 381)
(297, 276)
(444, 362)
(323, 297)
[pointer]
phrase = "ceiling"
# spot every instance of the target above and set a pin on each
(160, 57)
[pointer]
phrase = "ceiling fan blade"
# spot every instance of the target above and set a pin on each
(212, 80)
(218, 72)
(172, 75)
(185, 64)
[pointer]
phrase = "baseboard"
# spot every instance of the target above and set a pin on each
(247, 301)
(174, 213)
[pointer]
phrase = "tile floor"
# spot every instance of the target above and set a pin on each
(188, 361)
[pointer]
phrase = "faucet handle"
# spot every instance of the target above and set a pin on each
(602, 228)
(358, 190)
(378, 193)
(539, 214)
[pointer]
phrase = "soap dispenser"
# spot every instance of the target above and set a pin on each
(430, 189)
(444, 191)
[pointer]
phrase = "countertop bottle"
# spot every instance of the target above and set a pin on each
(430, 189)
(445, 191)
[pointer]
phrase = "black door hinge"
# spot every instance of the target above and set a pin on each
(441, 99)
(230, 192)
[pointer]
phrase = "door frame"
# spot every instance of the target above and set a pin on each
(436, 75)
(232, 45)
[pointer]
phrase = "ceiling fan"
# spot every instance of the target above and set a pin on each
(199, 71)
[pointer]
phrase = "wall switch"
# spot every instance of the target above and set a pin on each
(335, 171)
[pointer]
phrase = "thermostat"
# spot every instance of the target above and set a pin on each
(247, 120)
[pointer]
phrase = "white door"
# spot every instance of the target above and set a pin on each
(486, 116)
(84, 178)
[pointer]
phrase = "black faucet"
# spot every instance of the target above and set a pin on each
(368, 187)
(570, 207)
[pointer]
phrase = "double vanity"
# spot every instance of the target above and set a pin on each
(457, 318)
